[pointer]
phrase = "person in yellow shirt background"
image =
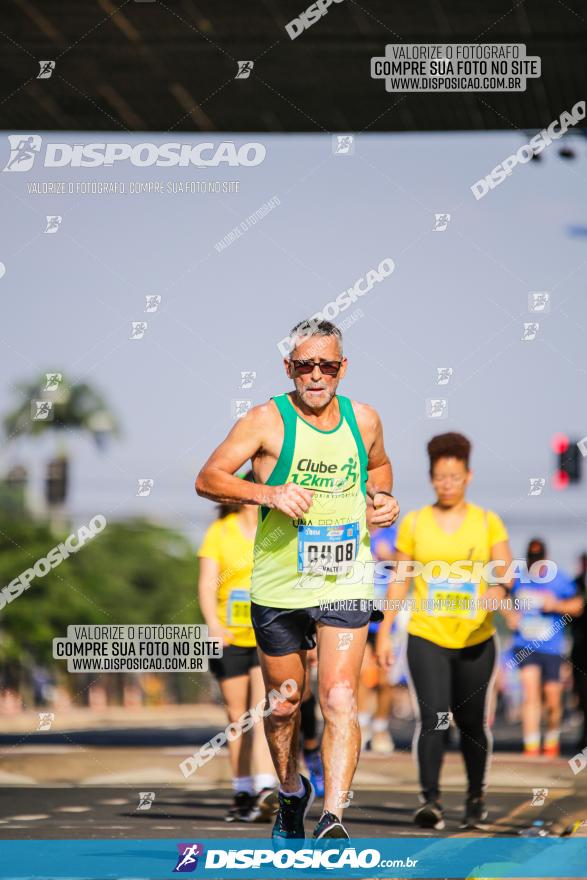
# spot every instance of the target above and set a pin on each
(452, 650)
(226, 562)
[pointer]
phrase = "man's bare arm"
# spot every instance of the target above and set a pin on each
(379, 466)
(216, 479)
(379, 472)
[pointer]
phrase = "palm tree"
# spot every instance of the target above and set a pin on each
(51, 404)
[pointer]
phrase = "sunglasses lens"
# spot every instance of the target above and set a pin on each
(328, 368)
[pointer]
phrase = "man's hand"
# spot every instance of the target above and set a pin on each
(290, 499)
(217, 631)
(550, 603)
(512, 618)
(383, 648)
(385, 510)
(495, 591)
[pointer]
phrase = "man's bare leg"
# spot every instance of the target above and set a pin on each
(338, 683)
(235, 692)
(553, 700)
(282, 725)
(531, 707)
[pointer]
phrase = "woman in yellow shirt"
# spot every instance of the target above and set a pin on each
(451, 636)
(226, 562)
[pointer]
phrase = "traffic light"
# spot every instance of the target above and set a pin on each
(569, 460)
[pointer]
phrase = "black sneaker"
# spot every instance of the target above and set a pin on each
(265, 806)
(429, 815)
(240, 808)
(329, 826)
(289, 822)
(475, 814)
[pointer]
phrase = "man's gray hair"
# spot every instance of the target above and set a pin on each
(313, 327)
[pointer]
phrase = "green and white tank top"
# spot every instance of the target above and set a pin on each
(324, 556)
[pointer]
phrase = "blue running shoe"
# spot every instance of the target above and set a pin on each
(330, 826)
(289, 822)
(313, 762)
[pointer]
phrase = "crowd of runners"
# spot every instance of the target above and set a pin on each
(310, 575)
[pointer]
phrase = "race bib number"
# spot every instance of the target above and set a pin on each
(534, 626)
(533, 600)
(327, 549)
(239, 608)
(455, 600)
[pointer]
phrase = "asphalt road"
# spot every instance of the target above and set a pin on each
(102, 812)
(506, 737)
(73, 811)
(72, 784)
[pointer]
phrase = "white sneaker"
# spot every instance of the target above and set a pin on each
(366, 735)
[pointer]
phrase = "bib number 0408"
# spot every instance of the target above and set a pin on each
(327, 549)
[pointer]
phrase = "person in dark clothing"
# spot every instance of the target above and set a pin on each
(579, 651)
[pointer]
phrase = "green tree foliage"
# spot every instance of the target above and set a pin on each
(75, 407)
(132, 572)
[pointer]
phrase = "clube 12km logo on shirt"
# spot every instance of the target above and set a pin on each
(25, 148)
(322, 477)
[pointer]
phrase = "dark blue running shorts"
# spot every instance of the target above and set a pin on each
(550, 664)
(281, 631)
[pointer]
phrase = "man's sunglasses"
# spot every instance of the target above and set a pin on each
(327, 368)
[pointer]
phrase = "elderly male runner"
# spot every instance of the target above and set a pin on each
(316, 456)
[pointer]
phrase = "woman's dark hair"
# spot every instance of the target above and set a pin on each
(223, 510)
(536, 548)
(449, 446)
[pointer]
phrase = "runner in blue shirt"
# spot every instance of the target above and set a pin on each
(375, 727)
(538, 647)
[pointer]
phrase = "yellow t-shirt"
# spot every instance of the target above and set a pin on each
(446, 611)
(227, 545)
